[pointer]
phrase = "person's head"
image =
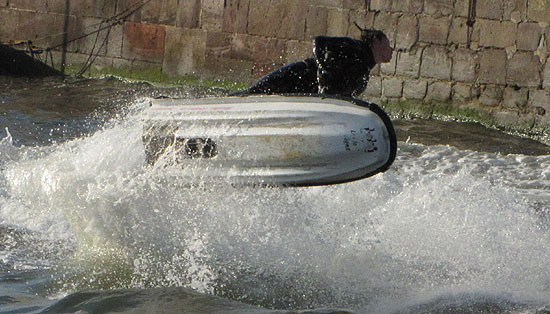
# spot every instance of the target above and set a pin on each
(378, 43)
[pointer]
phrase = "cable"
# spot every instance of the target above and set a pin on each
(112, 21)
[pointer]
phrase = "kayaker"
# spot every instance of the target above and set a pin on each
(339, 66)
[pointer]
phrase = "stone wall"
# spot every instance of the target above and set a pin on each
(498, 62)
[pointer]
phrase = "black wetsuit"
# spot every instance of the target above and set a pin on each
(340, 66)
(297, 77)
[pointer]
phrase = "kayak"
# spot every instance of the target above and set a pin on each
(289, 140)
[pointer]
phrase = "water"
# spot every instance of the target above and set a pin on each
(459, 224)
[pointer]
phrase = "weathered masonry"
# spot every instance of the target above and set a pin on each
(491, 54)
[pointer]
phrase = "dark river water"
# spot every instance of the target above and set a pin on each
(459, 224)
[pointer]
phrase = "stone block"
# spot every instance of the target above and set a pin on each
(439, 7)
(8, 27)
(387, 22)
(492, 66)
(104, 9)
(84, 8)
(528, 36)
(546, 75)
(515, 10)
(461, 8)
(375, 70)
(459, 31)
(365, 20)
(143, 65)
(491, 96)
(103, 62)
(374, 87)
(392, 87)
(235, 16)
(185, 50)
(109, 8)
(493, 9)
(475, 36)
(114, 43)
(539, 98)
(188, 14)
(3, 3)
(465, 63)
(31, 26)
(257, 49)
(434, 30)
(436, 63)
(60, 6)
(515, 98)
(160, 12)
(274, 52)
(297, 50)
(354, 4)
(143, 42)
(381, 5)
(316, 22)
(439, 91)
(33, 5)
(476, 90)
(524, 70)
(515, 17)
(515, 120)
(327, 3)
(120, 63)
(462, 92)
(538, 11)
(407, 32)
(72, 58)
(408, 6)
(271, 18)
(245, 47)
(408, 63)
(218, 44)
(542, 119)
(126, 6)
(414, 89)
(337, 22)
(212, 15)
(237, 70)
(95, 43)
(389, 68)
(491, 33)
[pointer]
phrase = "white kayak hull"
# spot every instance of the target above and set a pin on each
(269, 140)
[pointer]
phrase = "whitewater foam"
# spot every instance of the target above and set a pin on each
(440, 221)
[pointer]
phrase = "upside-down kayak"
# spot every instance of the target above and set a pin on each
(296, 140)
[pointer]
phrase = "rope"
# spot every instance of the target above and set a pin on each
(92, 57)
(111, 21)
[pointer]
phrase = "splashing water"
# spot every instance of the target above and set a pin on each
(441, 222)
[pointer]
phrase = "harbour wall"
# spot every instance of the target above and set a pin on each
(491, 55)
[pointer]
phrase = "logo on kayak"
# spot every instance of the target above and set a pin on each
(361, 140)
